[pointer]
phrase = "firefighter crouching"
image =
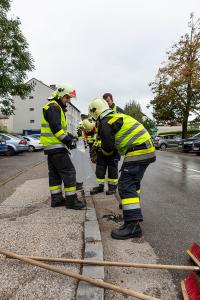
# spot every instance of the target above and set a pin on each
(89, 127)
(56, 140)
(123, 133)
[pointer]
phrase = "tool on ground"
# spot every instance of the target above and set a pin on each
(191, 287)
(95, 282)
(194, 253)
(113, 263)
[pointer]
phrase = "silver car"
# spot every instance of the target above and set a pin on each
(33, 143)
(15, 144)
(166, 141)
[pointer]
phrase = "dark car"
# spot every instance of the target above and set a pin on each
(196, 146)
(186, 144)
(3, 146)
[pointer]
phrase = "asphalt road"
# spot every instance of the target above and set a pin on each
(171, 206)
(12, 166)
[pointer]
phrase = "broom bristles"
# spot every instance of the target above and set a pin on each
(195, 250)
(192, 286)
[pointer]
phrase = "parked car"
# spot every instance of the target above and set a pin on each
(186, 144)
(196, 146)
(166, 141)
(33, 143)
(3, 146)
(15, 144)
(35, 135)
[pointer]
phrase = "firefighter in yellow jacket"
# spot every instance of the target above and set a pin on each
(125, 134)
(56, 141)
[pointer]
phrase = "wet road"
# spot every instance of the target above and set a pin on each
(171, 206)
(11, 166)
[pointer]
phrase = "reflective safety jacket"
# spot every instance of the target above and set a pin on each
(116, 109)
(90, 137)
(54, 135)
(80, 133)
(128, 136)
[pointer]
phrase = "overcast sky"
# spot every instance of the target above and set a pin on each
(102, 45)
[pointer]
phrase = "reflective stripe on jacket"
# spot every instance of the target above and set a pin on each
(132, 134)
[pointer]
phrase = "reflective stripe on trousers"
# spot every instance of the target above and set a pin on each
(112, 181)
(56, 189)
(70, 191)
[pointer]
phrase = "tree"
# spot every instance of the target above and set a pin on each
(150, 125)
(133, 109)
(15, 60)
(177, 83)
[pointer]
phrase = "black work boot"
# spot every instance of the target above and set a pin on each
(79, 186)
(127, 231)
(97, 189)
(120, 206)
(111, 189)
(72, 202)
(57, 200)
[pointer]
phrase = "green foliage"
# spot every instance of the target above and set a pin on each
(15, 60)
(4, 5)
(177, 84)
(150, 125)
(190, 132)
(133, 109)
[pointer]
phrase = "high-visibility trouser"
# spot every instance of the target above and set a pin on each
(104, 162)
(129, 190)
(61, 170)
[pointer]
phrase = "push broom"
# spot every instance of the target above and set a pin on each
(75, 275)
(194, 253)
(191, 285)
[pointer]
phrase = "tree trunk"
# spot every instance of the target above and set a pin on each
(184, 128)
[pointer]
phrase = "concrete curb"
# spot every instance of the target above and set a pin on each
(93, 250)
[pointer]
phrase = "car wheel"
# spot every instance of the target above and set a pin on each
(31, 148)
(10, 151)
(186, 151)
(163, 147)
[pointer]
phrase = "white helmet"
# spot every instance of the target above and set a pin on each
(97, 107)
(80, 123)
(88, 124)
(65, 89)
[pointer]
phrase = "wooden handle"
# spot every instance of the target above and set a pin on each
(114, 263)
(96, 282)
(184, 292)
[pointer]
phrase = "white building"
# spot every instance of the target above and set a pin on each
(6, 123)
(28, 111)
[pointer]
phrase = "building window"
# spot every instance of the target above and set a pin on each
(32, 121)
(31, 97)
(31, 108)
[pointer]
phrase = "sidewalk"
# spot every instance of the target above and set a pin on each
(29, 226)
(157, 283)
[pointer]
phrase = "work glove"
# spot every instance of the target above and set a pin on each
(72, 144)
(69, 141)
